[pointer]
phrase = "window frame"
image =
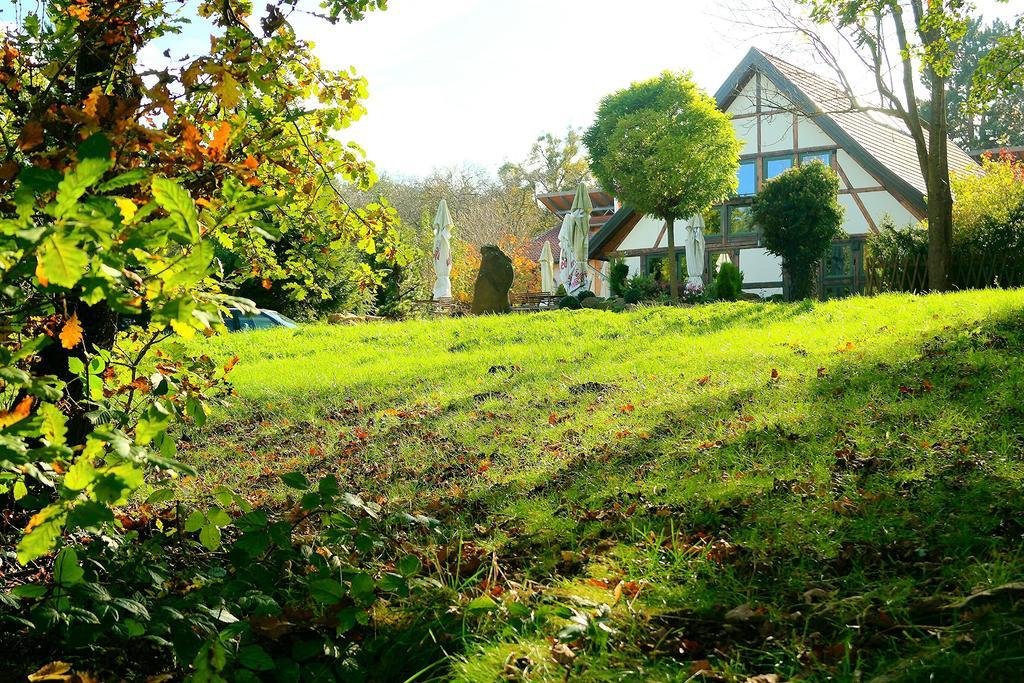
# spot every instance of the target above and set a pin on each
(768, 158)
(753, 164)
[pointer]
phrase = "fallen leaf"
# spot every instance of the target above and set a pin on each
(562, 654)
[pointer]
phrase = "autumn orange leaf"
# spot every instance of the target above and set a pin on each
(251, 163)
(230, 364)
(703, 380)
(775, 373)
(17, 413)
(628, 408)
(220, 141)
(31, 136)
(71, 335)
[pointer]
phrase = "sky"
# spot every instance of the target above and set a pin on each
(474, 82)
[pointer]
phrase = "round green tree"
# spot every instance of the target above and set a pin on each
(663, 147)
(799, 215)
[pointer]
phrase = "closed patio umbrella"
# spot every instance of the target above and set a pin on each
(442, 252)
(695, 250)
(547, 269)
(576, 235)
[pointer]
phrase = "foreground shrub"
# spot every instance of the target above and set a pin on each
(642, 288)
(799, 215)
(569, 302)
(617, 276)
(229, 593)
(728, 284)
(584, 295)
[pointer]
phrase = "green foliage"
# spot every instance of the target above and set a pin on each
(585, 294)
(1000, 122)
(892, 243)
(798, 214)
(569, 302)
(663, 147)
(999, 77)
(561, 290)
(641, 288)
(617, 276)
(728, 283)
(239, 578)
(985, 201)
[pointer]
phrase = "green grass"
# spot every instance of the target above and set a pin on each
(880, 467)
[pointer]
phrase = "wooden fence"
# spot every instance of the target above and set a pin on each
(910, 274)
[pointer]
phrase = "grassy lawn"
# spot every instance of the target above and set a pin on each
(820, 491)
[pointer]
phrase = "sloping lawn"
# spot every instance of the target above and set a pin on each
(819, 491)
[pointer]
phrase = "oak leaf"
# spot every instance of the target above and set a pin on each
(17, 413)
(71, 335)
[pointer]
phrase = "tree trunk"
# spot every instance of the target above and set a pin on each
(673, 271)
(940, 195)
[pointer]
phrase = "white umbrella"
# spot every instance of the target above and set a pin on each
(547, 269)
(575, 234)
(695, 250)
(442, 252)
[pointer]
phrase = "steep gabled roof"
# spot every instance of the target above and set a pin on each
(885, 149)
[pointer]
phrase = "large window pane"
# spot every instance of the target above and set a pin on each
(776, 166)
(741, 220)
(839, 263)
(809, 157)
(657, 266)
(747, 178)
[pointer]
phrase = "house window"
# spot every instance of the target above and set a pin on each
(747, 176)
(774, 166)
(823, 157)
(657, 266)
(741, 220)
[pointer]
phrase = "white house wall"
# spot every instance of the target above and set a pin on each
(777, 132)
(644, 234)
(810, 134)
(880, 204)
(854, 172)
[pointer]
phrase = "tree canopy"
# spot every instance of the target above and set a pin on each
(663, 147)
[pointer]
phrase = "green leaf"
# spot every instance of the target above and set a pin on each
(20, 490)
(218, 517)
(86, 174)
(60, 262)
(76, 365)
(79, 475)
(327, 591)
(195, 521)
(296, 480)
(66, 571)
(161, 496)
(54, 428)
(133, 177)
(178, 203)
(256, 658)
(47, 525)
(29, 590)
(408, 566)
(153, 422)
(209, 536)
(482, 603)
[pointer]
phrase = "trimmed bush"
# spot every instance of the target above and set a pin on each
(799, 215)
(584, 295)
(617, 277)
(728, 282)
(569, 302)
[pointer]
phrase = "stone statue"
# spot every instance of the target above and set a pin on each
(490, 295)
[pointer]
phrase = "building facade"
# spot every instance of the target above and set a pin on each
(785, 116)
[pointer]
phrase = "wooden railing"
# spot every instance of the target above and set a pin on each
(910, 274)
